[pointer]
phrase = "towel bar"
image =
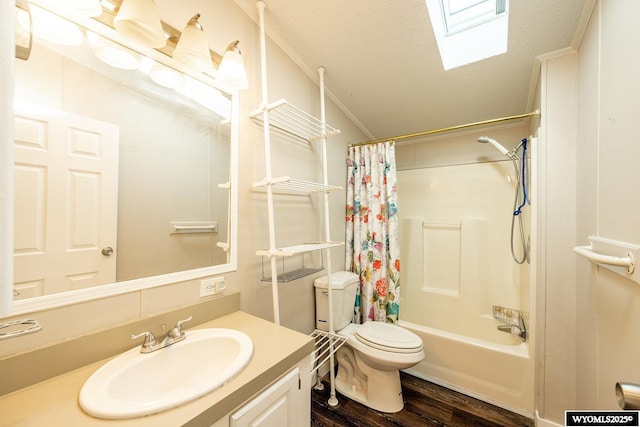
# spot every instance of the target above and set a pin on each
(193, 227)
(587, 252)
(618, 257)
(32, 326)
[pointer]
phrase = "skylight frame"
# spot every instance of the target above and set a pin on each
(460, 15)
(479, 31)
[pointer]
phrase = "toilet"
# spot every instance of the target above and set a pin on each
(374, 353)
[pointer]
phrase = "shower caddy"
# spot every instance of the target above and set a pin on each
(284, 117)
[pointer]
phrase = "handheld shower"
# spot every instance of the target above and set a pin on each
(495, 143)
(520, 198)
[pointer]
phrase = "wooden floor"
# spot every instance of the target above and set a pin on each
(426, 404)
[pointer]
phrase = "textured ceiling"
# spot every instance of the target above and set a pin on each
(384, 68)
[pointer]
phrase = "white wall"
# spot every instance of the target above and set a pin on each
(608, 152)
(587, 164)
(590, 121)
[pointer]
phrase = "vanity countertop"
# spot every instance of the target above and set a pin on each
(55, 402)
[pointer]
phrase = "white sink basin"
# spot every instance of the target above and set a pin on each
(135, 384)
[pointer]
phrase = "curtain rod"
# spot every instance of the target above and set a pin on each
(430, 132)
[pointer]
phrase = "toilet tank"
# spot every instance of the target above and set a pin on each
(344, 285)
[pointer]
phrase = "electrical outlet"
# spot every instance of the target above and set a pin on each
(207, 287)
(212, 286)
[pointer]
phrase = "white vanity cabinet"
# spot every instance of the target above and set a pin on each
(277, 406)
(285, 403)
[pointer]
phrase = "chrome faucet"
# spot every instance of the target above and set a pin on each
(175, 334)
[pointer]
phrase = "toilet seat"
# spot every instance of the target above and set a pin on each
(387, 337)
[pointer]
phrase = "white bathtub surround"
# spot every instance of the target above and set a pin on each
(455, 240)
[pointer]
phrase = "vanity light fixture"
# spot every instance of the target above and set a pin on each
(55, 29)
(161, 74)
(23, 27)
(231, 72)
(192, 49)
(138, 21)
(112, 53)
(207, 96)
(166, 77)
(88, 8)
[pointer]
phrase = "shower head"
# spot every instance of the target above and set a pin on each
(495, 144)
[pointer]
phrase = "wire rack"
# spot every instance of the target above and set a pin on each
(508, 316)
(298, 249)
(288, 184)
(294, 121)
(326, 344)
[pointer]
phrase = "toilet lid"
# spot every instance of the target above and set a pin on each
(388, 337)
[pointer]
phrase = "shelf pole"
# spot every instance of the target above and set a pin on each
(333, 400)
(267, 156)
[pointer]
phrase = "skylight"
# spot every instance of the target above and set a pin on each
(469, 30)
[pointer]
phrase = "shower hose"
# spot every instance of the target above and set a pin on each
(520, 200)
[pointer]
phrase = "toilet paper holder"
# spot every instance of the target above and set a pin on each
(628, 395)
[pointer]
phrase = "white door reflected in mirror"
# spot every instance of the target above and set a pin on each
(66, 201)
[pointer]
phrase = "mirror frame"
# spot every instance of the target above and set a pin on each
(7, 48)
(7, 68)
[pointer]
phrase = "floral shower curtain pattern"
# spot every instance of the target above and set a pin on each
(373, 250)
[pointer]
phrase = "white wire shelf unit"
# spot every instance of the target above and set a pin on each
(291, 185)
(283, 117)
(292, 120)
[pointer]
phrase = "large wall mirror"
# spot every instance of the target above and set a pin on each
(124, 167)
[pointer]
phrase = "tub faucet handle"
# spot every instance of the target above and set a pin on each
(514, 330)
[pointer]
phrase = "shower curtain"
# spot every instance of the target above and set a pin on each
(372, 247)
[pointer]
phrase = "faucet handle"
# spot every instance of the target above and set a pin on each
(180, 323)
(149, 339)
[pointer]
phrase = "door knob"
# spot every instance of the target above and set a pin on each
(108, 251)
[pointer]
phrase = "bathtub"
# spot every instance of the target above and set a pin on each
(499, 371)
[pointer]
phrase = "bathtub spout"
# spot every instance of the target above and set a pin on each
(520, 330)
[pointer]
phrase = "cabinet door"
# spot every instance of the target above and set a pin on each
(277, 406)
